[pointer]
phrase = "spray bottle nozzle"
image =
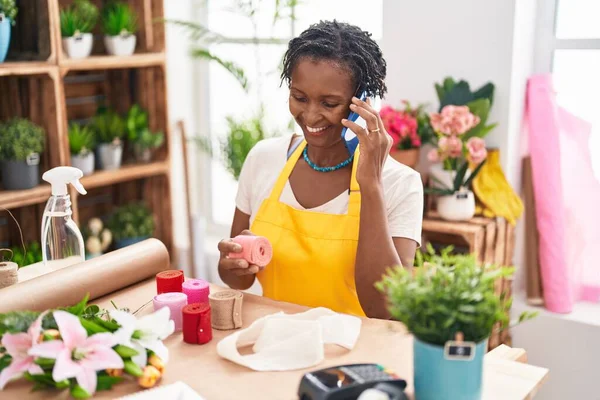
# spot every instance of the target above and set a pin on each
(59, 177)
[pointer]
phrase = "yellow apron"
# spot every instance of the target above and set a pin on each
(313, 253)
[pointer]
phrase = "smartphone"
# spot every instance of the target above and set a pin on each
(347, 135)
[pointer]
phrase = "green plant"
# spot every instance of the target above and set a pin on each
(138, 132)
(118, 19)
(32, 255)
(19, 138)
(150, 140)
(78, 18)
(446, 294)
(130, 221)
(108, 126)
(81, 139)
(241, 138)
(479, 102)
(459, 181)
(9, 9)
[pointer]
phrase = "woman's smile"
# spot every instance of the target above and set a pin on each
(317, 131)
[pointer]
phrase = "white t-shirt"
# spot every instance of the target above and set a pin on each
(402, 186)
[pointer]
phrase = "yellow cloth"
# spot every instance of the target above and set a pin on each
(313, 253)
(495, 196)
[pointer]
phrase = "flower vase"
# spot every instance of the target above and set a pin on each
(459, 206)
(438, 377)
(442, 178)
(409, 157)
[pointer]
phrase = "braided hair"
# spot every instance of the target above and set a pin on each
(345, 44)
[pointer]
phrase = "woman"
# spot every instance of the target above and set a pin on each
(336, 220)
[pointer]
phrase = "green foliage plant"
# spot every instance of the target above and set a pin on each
(9, 9)
(108, 126)
(119, 19)
(81, 17)
(131, 221)
(19, 138)
(81, 139)
(138, 131)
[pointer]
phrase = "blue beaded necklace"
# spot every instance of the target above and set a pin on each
(325, 169)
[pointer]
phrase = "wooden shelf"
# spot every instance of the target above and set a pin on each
(26, 68)
(124, 174)
(112, 62)
(22, 198)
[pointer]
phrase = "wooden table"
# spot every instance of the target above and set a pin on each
(214, 378)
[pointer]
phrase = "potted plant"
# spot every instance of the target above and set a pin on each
(130, 224)
(8, 13)
(109, 129)
(76, 25)
(82, 143)
(120, 24)
(410, 130)
(21, 142)
(98, 238)
(30, 255)
(458, 149)
(445, 298)
(144, 141)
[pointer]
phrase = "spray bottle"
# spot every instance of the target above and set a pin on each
(62, 242)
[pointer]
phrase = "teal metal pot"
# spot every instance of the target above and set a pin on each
(438, 378)
(4, 38)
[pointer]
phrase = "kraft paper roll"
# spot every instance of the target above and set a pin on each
(256, 250)
(98, 277)
(197, 290)
(197, 323)
(226, 309)
(9, 274)
(169, 281)
(175, 301)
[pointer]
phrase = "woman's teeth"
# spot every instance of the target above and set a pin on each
(315, 130)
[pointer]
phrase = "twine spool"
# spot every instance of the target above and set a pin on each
(226, 309)
(9, 273)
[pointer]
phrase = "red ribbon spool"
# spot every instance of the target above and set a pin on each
(169, 281)
(197, 327)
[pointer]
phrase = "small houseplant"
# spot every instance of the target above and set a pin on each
(143, 140)
(30, 255)
(97, 238)
(21, 142)
(445, 296)
(76, 25)
(8, 13)
(109, 129)
(241, 138)
(130, 224)
(82, 143)
(410, 130)
(457, 149)
(119, 23)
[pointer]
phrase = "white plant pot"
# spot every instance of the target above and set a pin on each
(79, 46)
(459, 206)
(121, 45)
(110, 156)
(85, 163)
(443, 179)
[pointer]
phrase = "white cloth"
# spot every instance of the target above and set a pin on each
(285, 342)
(402, 186)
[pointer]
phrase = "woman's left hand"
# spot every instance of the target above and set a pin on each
(375, 143)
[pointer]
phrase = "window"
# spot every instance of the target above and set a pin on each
(257, 44)
(569, 47)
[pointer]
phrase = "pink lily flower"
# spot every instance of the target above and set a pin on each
(18, 345)
(78, 355)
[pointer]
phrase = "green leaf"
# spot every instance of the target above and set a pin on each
(5, 361)
(106, 382)
(45, 362)
(481, 108)
(438, 191)
(460, 95)
(485, 92)
(235, 70)
(80, 307)
(474, 173)
(460, 175)
(79, 393)
(133, 369)
(92, 327)
(125, 352)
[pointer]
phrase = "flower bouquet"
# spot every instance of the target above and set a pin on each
(409, 128)
(82, 348)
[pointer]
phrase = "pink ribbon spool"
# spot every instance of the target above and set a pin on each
(256, 250)
(175, 301)
(197, 290)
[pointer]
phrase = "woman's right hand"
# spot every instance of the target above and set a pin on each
(236, 266)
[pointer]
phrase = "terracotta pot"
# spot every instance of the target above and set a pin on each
(406, 157)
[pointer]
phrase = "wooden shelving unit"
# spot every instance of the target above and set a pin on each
(39, 82)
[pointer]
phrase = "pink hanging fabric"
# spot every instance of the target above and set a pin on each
(566, 196)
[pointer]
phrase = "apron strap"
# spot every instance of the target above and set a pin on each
(354, 198)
